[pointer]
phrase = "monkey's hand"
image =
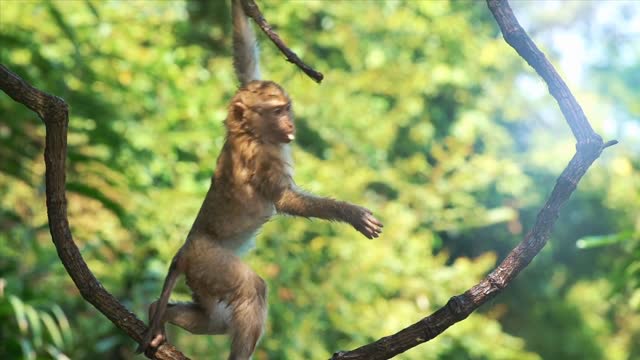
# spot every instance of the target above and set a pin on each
(366, 223)
(155, 335)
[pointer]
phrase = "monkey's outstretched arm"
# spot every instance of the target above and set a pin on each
(155, 334)
(297, 203)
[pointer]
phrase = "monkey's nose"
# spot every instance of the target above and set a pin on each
(289, 131)
(290, 128)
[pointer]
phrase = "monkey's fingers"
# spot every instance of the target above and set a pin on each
(363, 230)
(370, 226)
(371, 233)
(368, 215)
(372, 221)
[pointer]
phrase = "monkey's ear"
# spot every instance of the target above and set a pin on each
(238, 108)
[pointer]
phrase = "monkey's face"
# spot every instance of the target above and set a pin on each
(277, 122)
(266, 111)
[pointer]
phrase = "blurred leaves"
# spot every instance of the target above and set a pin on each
(39, 333)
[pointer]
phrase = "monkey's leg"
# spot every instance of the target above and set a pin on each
(248, 318)
(244, 319)
(215, 273)
(155, 334)
(194, 318)
(297, 203)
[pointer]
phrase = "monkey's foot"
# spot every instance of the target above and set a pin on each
(151, 339)
(157, 340)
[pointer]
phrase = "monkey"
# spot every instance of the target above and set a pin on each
(252, 182)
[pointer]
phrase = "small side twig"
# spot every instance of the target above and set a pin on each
(609, 143)
(252, 10)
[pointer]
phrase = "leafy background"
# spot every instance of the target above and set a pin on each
(426, 116)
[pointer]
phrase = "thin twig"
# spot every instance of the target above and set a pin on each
(252, 10)
(609, 143)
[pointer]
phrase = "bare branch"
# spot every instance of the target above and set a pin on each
(54, 112)
(252, 10)
(515, 36)
(589, 146)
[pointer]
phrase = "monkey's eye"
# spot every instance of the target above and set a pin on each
(278, 111)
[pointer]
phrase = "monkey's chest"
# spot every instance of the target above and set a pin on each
(241, 221)
(240, 236)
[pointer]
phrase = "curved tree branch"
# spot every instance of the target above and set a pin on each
(588, 148)
(54, 112)
(252, 10)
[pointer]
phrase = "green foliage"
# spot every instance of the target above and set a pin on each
(426, 116)
(40, 332)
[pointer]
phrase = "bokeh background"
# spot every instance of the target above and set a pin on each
(426, 116)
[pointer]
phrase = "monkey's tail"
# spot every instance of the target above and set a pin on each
(245, 46)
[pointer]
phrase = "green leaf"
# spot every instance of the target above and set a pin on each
(21, 319)
(52, 328)
(590, 242)
(63, 323)
(36, 327)
(28, 353)
(56, 353)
